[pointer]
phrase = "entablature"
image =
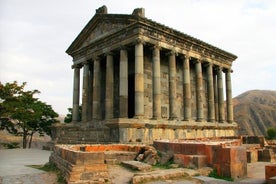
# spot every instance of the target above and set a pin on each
(152, 36)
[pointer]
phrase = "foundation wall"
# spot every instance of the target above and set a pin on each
(139, 131)
(146, 131)
(88, 163)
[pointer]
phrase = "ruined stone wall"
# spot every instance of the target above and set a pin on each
(228, 157)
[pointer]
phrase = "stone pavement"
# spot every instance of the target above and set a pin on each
(14, 169)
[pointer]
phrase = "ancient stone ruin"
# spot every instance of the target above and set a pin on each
(147, 84)
(143, 81)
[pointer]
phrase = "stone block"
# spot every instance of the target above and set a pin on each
(268, 155)
(231, 162)
(95, 167)
(166, 157)
(140, 166)
(111, 161)
(88, 158)
(214, 152)
(120, 155)
(73, 177)
(252, 156)
(201, 150)
(271, 180)
(190, 161)
(260, 155)
(270, 171)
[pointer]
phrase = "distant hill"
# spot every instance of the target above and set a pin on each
(255, 111)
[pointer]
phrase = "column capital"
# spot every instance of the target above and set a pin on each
(198, 60)
(86, 62)
(139, 40)
(207, 64)
(94, 58)
(171, 52)
(227, 70)
(109, 53)
(76, 66)
(123, 47)
(156, 46)
(217, 68)
(187, 56)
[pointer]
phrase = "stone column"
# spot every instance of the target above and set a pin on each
(199, 91)
(96, 90)
(172, 85)
(85, 89)
(123, 93)
(76, 94)
(156, 85)
(211, 104)
(221, 115)
(215, 93)
(229, 103)
(187, 88)
(109, 87)
(139, 80)
(90, 92)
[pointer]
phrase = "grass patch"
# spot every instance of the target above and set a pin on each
(167, 165)
(50, 167)
(214, 174)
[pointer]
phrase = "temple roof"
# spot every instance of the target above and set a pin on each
(117, 22)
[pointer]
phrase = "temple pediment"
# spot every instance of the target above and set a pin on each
(100, 26)
(101, 30)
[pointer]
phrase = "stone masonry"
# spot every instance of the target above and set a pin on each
(144, 81)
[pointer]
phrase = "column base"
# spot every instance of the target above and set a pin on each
(172, 118)
(212, 120)
(138, 117)
(156, 118)
(200, 120)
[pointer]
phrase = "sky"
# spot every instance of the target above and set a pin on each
(34, 35)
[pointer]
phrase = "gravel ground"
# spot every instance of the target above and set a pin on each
(37, 178)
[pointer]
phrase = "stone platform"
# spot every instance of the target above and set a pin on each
(124, 130)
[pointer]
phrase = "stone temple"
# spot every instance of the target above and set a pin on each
(143, 81)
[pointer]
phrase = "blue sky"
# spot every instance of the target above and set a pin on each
(35, 34)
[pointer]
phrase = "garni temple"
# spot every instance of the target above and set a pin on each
(143, 81)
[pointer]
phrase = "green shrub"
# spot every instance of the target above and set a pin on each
(12, 145)
(214, 174)
(271, 133)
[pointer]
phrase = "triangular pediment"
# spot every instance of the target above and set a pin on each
(101, 30)
(98, 27)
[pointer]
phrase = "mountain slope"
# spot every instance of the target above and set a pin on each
(255, 111)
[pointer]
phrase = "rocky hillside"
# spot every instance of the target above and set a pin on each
(255, 111)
